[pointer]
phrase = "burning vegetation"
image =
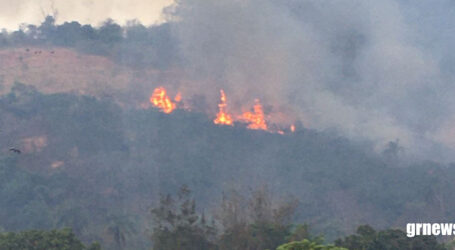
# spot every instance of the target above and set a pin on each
(161, 100)
(255, 118)
(223, 117)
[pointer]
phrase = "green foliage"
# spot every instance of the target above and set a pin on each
(110, 32)
(254, 222)
(261, 226)
(43, 240)
(178, 226)
(308, 245)
(300, 232)
(367, 238)
(23, 196)
(450, 245)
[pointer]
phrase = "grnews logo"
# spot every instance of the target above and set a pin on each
(435, 229)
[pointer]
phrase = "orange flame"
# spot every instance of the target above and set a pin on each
(178, 97)
(292, 128)
(256, 120)
(160, 100)
(223, 117)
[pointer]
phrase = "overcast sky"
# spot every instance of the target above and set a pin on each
(13, 13)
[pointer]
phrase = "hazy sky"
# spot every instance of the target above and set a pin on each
(13, 13)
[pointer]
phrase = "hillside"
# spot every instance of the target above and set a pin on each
(53, 69)
(84, 146)
(90, 164)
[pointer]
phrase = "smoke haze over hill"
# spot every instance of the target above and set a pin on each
(363, 68)
(368, 70)
(274, 113)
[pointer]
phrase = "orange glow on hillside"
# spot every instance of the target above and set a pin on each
(292, 128)
(160, 100)
(255, 119)
(223, 117)
(178, 97)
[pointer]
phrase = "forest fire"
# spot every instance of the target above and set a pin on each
(254, 119)
(223, 117)
(160, 100)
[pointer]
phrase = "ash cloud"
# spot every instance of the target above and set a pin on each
(364, 68)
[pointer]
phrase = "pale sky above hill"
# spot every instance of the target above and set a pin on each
(13, 13)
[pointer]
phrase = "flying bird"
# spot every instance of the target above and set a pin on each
(15, 150)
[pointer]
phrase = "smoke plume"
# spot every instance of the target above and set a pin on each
(364, 68)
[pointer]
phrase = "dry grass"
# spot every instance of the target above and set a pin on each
(53, 70)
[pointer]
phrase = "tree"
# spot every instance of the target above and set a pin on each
(179, 226)
(37, 240)
(308, 245)
(110, 32)
(120, 229)
(392, 151)
(68, 34)
(254, 223)
(48, 29)
(300, 232)
(369, 239)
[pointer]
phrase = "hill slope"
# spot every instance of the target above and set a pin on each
(89, 164)
(61, 70)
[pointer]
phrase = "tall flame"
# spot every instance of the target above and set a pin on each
(160, 100)
(223, 117)
(255, 119)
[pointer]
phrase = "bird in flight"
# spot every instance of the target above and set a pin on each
(15, 150)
